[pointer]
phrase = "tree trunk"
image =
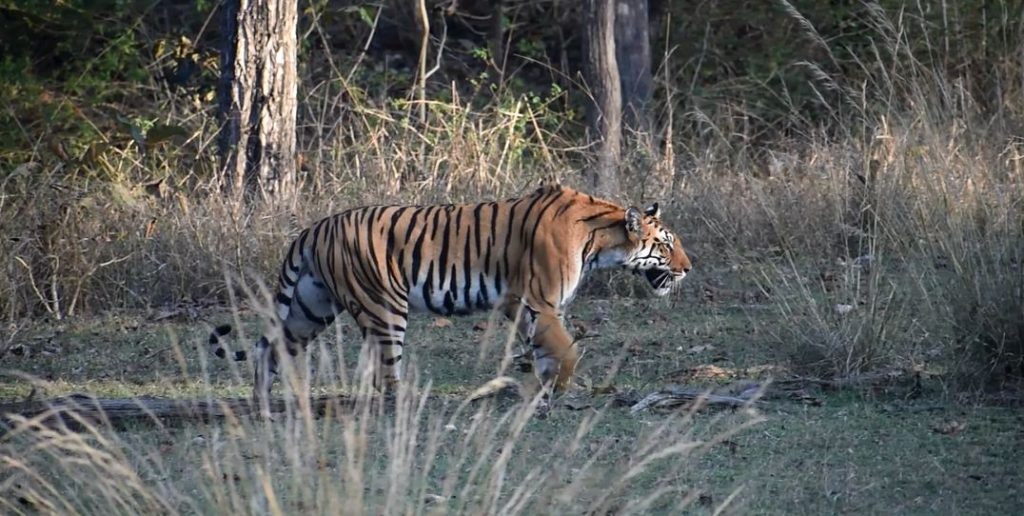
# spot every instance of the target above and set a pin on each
(601, 70)
(258, 97)
(633, 54)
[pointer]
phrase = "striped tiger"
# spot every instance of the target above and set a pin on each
(525, 256)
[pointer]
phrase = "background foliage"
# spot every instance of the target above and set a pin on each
(87, 71)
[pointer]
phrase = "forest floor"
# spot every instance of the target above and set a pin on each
(867, 449)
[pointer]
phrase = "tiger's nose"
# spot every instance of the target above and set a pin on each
(686, 270)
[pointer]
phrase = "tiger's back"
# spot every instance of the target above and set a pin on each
(446, 259)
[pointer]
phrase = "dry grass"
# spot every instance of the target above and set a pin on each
(896, 244)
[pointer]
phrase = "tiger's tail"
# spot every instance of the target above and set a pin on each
(218, 346)
(291, 270)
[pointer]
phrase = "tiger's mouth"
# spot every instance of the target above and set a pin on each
(662, 280)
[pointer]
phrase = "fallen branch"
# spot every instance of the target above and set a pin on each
(496, 386)
(676, 396)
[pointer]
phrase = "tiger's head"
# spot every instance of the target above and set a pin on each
(655, 252)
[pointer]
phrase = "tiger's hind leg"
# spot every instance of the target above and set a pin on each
(383, 328)
(304, 310)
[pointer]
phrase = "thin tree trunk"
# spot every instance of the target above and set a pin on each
(633, 52)
(601, 70)
(258, 97)
(633, 55)
(423, 20)
(496, 41)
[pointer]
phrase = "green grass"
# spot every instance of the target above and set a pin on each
(852, 456)
(862, 452)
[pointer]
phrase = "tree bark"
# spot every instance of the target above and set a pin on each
(496, 41)
(633, 55)
(601, 71)
(258, 96)
(423, 20)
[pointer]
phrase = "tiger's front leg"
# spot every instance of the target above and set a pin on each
(554, 355)
(553, 351)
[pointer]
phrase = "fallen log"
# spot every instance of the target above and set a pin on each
(76, 410)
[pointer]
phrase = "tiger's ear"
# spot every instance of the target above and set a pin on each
(633, 218)
(654, 211)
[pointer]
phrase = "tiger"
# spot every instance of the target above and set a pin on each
(524, 256)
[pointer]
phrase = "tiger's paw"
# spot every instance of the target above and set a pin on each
(262, 412)
(543, 409)
(387, 385)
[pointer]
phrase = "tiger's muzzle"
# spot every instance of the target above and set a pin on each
(662, 280)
